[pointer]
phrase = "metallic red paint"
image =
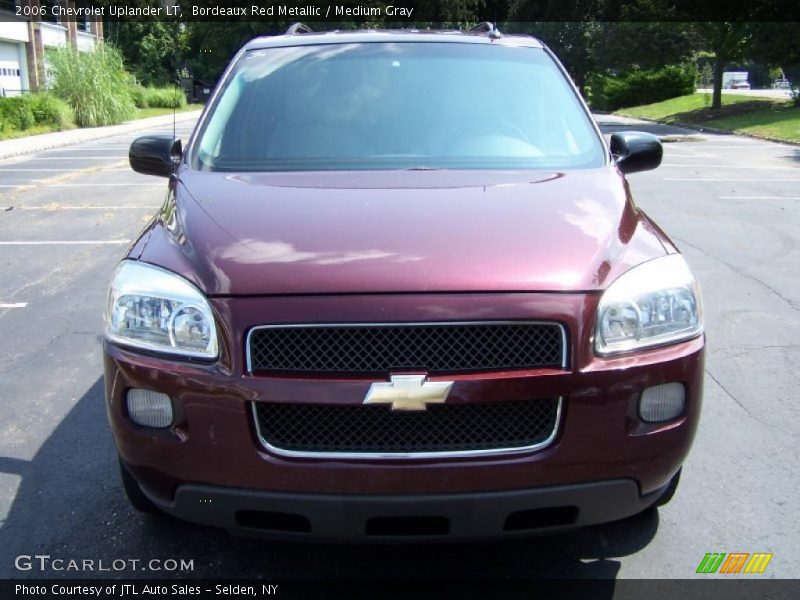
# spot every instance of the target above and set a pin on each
(402, 246)
(422, 231)
(213, 441)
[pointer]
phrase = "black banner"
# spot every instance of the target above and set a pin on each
(416, 12)
(730, 588)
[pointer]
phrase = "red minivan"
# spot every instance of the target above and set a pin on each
(399, 289)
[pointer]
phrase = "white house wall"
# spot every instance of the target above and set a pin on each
(53, 35)
(86, 41)
(13, 30)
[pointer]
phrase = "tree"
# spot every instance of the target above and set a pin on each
(447, 13)
(643, 45)
(777, 45)
(729, 42)
(569, 28)
(153, 49)
(213, 43)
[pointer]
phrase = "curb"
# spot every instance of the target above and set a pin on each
(715, 130)
(664, 137)
(59, 139)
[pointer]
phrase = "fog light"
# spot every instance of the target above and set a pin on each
(149, 408)
(662, 402)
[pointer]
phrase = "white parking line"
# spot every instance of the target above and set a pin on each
(707, 166)
(759, 197)
(727, 139)
(34, 183)
(14, 305)
(49, 208)
(89, 149)
(726, 179)
(64, 243)
(79, 157)
(690, 156)
(738, 145)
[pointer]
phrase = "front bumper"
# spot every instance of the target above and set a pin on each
(214, 445)
(439, 517)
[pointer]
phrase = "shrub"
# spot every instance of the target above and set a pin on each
(639, 86)
(95, 84)
(138, 96)
(167, 97)
(52, 111)
(23, 112)
(152, 97)
(16, 113)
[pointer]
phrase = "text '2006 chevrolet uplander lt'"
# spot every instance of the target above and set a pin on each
(399, 289)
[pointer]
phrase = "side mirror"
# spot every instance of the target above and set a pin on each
(155, 154)
(636, 151)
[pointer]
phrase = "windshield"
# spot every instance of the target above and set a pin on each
(403, 105)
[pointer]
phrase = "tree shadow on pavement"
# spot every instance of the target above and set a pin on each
(658, 129)
(70, 505)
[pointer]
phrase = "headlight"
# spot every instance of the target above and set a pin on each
(655, 303)
(156, 310)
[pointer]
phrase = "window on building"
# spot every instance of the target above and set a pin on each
(9, 5)
(49, 15)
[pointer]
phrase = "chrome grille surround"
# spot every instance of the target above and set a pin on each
(543, 441)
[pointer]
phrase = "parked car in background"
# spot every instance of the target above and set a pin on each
(399, 289)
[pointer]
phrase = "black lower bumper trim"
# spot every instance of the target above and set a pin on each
(409, 517)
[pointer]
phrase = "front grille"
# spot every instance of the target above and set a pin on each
(378, 429)
(435, 348)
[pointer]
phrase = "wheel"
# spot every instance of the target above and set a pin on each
(670, 491)
(135, 494)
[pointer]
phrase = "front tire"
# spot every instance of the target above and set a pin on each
(671, 489)
(135, 494)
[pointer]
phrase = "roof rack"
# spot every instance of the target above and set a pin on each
(488, 28)
(298, 28)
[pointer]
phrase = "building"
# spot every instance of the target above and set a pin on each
(24, 40)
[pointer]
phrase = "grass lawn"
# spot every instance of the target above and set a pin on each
(13, 133)
(740, 114)
(141, 113)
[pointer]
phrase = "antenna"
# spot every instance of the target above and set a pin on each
(175, 111)
(178, 90)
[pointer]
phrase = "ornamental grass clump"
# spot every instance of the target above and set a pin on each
(95, 84)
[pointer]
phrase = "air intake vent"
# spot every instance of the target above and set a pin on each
(434, 348)
(442, 428)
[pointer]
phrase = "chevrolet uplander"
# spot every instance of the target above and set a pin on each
(399, 289)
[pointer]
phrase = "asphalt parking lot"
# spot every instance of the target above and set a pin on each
(731, 204)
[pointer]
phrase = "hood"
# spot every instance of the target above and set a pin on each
(406, 231)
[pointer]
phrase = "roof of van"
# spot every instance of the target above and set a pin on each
(388, 35)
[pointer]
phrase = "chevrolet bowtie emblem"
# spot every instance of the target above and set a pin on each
(408, 392)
